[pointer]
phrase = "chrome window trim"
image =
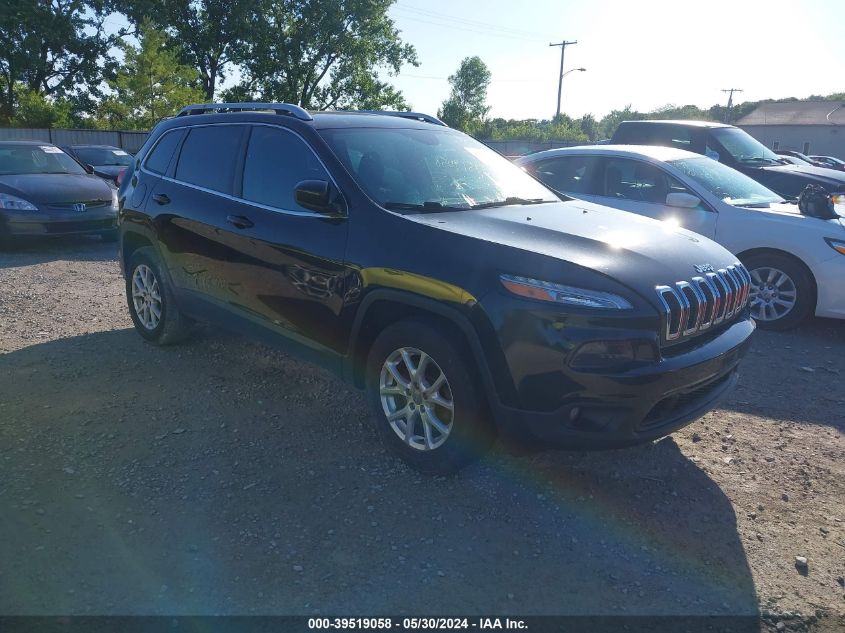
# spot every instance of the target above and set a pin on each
(307, 214)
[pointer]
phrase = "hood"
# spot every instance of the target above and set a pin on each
(821, 175)
(636, 251)
(56, 188)
(787, 210)
(108, 171)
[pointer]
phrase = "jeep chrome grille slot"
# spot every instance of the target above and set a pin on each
(696, 305)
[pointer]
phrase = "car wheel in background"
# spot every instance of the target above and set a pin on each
(425, 401)
(782, 292)
(151, 305)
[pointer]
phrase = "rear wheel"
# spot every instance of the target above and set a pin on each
(151, 306)
(782, 293)
(426, 404)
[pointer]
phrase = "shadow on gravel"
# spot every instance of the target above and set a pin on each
(223, 478)
(30, 251)
(810, 370)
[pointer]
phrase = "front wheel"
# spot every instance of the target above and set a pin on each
(782, 292)
(425, 401)
(154, 312)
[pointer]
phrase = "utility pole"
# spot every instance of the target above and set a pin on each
(563, 46)
(730, 92)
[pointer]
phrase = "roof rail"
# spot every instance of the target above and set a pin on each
(278, 108)
(416, 116)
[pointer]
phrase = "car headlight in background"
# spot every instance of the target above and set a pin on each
(13, 203)
(837, 245)
(558, 293)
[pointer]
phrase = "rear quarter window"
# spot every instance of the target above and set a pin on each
(162, 152)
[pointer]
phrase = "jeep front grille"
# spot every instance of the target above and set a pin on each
(702, 302)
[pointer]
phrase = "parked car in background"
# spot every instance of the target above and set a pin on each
(106, 161)
(794, 160)
(733, 147)
(43, 191)
(830, 161)
(427, 269)
(797, 262)
(788, 153)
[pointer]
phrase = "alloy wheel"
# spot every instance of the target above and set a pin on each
(773, 294)
(146, 296)
(416, 398)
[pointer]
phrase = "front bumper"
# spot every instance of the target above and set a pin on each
(41, 223)
(829, 276)
(639, 405)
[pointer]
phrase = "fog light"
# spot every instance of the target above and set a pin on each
(609, 354)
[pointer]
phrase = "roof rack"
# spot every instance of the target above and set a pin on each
(416, 116)
(278, 108)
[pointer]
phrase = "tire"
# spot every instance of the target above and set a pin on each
(429, 449)
(171, 326)
(110, 236)
(776, 279)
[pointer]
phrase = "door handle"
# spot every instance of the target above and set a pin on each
(161, 198)
(239, 221)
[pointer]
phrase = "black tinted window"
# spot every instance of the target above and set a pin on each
(569, 174)
(209, 156)
(634, 180)
(276, 161)
(159, 158)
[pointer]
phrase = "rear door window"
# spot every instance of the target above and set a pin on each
(209, 157)
(567, 174)
(276, 160)
(159, 159)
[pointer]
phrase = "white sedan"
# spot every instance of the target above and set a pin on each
(797, 262)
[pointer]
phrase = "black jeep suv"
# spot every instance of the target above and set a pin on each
(427, 269)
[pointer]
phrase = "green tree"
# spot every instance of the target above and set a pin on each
(323, 55)
(151, 84)
(209, 33)
(589, 127)
(52, 47)
(466, 107)
(35, 110)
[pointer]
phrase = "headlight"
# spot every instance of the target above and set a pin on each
(13, 203)
(837, 245)
(114, 202)
(558, 293)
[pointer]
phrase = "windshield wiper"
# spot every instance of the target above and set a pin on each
(756, 159)
(508, 201)
(428, 205)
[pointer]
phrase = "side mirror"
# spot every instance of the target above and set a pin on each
(682, 200)
(89, 169)
(320, 196)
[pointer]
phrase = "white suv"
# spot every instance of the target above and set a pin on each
(797, 262)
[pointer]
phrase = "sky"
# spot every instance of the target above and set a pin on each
(648, 53)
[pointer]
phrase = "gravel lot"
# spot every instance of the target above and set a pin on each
(225, 477)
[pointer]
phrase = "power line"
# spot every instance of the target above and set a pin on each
(470, 22)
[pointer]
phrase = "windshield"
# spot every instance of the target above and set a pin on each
(410, 169)
(36, 159)
(727, 184)
(744, 148)
(103, 156)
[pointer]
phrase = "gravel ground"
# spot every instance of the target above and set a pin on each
(223, 477)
